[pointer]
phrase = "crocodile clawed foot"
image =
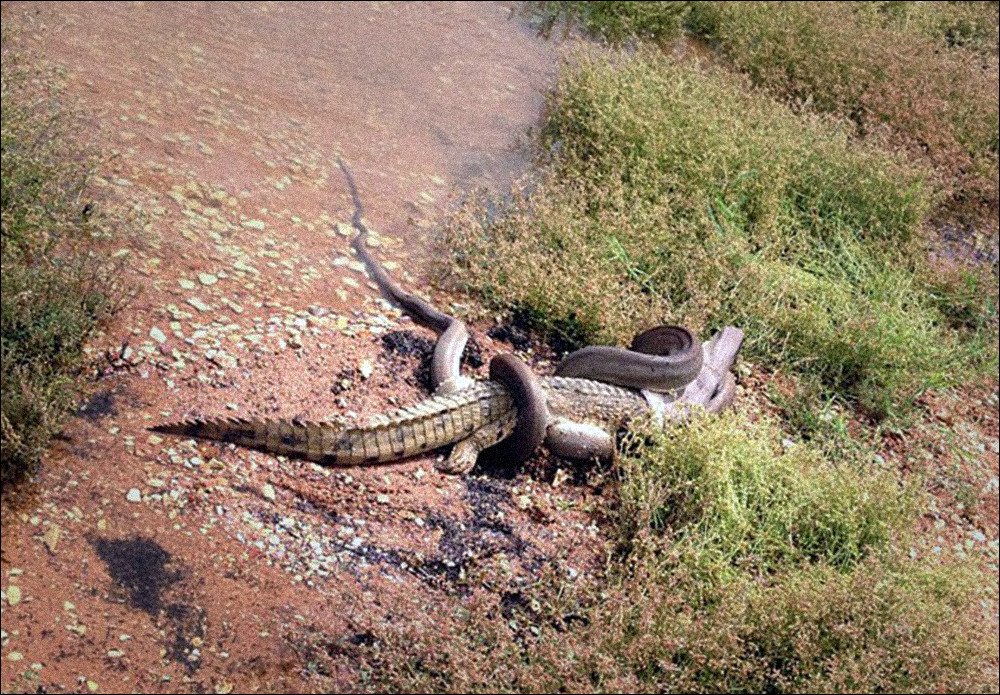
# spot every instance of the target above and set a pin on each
(465, 453)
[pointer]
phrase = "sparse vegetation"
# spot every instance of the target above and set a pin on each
(59, 283)
(676, 194)
(740, 568)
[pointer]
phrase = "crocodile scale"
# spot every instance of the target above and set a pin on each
(484, 409)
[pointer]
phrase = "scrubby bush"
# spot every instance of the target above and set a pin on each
(58, 282)
(675, 194)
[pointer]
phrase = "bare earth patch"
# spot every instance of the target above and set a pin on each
(138, 562)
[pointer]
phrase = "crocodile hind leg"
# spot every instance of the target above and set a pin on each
(465, 453)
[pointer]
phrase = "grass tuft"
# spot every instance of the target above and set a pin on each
(726, 496)
(58, 282)
(675, 194)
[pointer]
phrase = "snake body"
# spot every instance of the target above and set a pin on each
(576, 413)
(660, 360)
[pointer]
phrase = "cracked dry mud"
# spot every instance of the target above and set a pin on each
(147, 563)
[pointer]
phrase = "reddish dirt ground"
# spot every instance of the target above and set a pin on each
(141, 563)
(146, 563)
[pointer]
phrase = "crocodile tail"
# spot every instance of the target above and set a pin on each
(314, 441)
(407, 432)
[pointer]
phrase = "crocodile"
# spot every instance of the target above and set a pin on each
(576, 413)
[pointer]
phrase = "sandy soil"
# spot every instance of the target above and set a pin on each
(144, 563)
(152, 564)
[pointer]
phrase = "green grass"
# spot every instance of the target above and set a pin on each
(917, 76)
(737, 567)
(676, 194)
(888, 71)
(727, 498)
(616, 22)
(58, 282)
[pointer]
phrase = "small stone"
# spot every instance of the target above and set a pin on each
(199, 304)
(979, 537)
(93, 686)
(224, 360)
(134, 496)
(115, 654)
(366, 368)
(13, 595)
(186, 284)
(51, 537)
(157, 335)
(15, 657)
(382, 499)
(254, 224)
(207, 279)
(154, 440)
(155, 483)
(268, 492)
(996, 447)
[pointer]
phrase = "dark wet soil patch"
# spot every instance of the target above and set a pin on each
(464, 544)
(518, 337)
(141, 571)
(405, 345)
(100, 405)
(139, 567)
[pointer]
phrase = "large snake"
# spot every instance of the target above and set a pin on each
(661, 360)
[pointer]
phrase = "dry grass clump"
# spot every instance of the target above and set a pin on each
(58, 282)
(674, 194)
(737, 567)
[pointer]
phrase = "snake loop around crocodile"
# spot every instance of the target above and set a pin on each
(576, 417)
(662, 359)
